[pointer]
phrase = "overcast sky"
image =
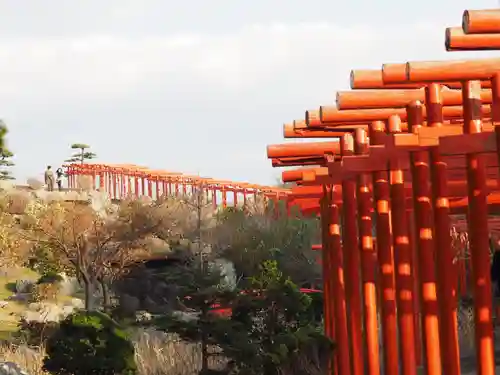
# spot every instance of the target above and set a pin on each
(198, 86)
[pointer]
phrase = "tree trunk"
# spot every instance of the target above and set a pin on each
(106, 300)
(88, 286)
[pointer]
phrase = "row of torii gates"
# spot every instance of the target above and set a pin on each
(414, 144)
(124, 180)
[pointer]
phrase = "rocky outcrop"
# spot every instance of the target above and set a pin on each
(50, 312)
(10, 368)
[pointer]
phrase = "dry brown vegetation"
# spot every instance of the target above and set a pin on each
(101, 246)
(155, 355)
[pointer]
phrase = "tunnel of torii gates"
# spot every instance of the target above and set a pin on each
(415, 150)
(123, 180)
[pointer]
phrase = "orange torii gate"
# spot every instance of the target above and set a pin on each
(411, 152)
(122, 180)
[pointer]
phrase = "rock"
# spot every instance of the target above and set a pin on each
(77, 303)
(228, 273)
(156, 245)
(24, 286)
(185, 316)
(10, 368)
(129, 304)
(150, 305)
(145, 199)
(20, 297)
(143, 316)
(68, 285)
(85, 183)
(3, 304)
(184, 242)
(35, 184)
(100, 202)
(45, 312)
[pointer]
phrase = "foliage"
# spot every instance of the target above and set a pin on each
(82, 155)
(5, 154)
(201, 285)
(199, 217)
(89, 343)
(49, 278)
(5, 163)
(14, 249)
(274, 328)
(248, 236)
(78, 240)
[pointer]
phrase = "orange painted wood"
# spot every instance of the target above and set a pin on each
(302, 149)
(289, 131)
(379, 99)
(373, 79)
(481, 21)
(332, 115)
(454, 70)
(457, 40)
(456, 189)
(299, 161)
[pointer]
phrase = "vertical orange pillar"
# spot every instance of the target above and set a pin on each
(224, 197)
(235, 197)
(495, 93)
(101, 180)
(352, 263)
(109, 184)
(143, 184)
(385, 260)
(403, 263)
(416, 288)
(328, 312)
(68, 176)
(446, 281)
(150, 187)
(368, 262)
(214, 197)
(338, 291)
(425, 246)
(479, 236)
(136, 185)
(115, 183)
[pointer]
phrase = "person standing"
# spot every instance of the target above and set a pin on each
(49, 178)
(59, 176)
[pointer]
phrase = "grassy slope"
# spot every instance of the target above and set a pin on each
(9, 315)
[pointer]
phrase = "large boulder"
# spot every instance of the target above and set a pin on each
(68, 285)
(10, 368)
(35, 184)
(85, 183)
(50, 312)
(24, 286)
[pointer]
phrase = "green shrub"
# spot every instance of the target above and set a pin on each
(50, 278)
(89, 342)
